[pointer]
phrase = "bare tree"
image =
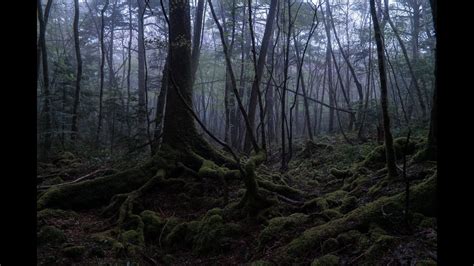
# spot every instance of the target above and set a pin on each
(74, 130)
(389, 150)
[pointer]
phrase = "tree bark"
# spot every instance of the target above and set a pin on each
(389, 150)
(47, 141)
(259, 66)
(77, 94)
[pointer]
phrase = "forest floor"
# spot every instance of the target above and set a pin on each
(328, 180)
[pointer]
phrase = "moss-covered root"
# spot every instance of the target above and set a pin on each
(93, 193)
(210, 169)
(253, 201)
(131, 226)
(422, 198)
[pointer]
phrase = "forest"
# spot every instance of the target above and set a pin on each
(236, 132)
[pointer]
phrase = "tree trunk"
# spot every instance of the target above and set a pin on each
(389, 150)
(79, 71)
(102, 63)
(329, 69)
(142, 112)
(46, 120)
(259, 66)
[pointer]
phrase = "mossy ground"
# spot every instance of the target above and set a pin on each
(330, 187)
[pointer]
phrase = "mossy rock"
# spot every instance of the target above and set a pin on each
(183, 234)
(383, 245)
(326, 260)
(376, 158)
(348, 204)
(315, 205)
(153, 224)
(428, 222)
(278, 226)
(74, 252)
(376, 231)
(132, 237)
(331, 214)
(335, 198)
(329, 245)
(214, 235)
(423, 201)
(342, 174)
(349, 237)
(51, 235)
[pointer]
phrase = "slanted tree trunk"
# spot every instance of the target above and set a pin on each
(389, 150)
(74, 130)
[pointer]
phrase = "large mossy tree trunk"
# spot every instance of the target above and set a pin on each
(182, 147)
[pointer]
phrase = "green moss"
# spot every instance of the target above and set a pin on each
(278, 226)
(375, 190)
(329, 245)
(132, 237)
(335, 198)
(429, 222)
(376, 231)
(370, 212)
(349, 237)
(183, 234)
(153, 224)
(261, 263)
(118, 248)
(331, 214)
(340, 173)
(376, 158)
(91, 193)
(326, 260)
(348, 204)
(168, 259)
(382, 245)
(280, 189)
(74, 251)
(51, 235)
(214, 235)
(315, 205)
